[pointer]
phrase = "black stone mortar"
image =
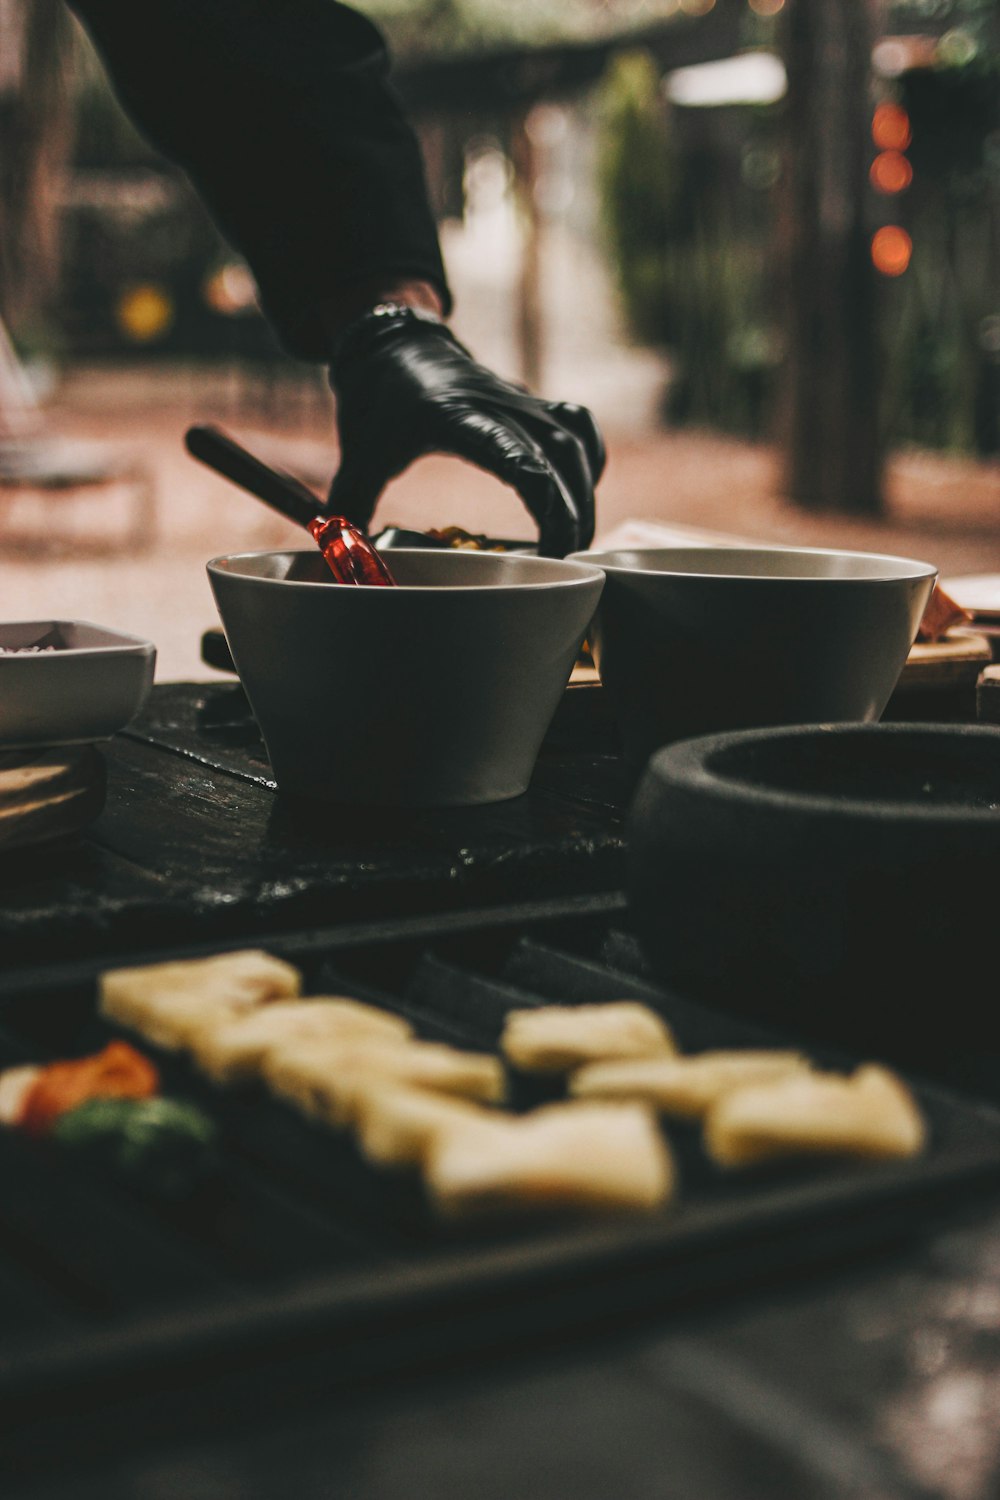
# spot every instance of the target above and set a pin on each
(842, 878)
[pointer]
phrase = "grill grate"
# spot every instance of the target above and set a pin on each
(101, 1287)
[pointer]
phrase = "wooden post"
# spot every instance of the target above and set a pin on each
(830, 419)
(36, 118)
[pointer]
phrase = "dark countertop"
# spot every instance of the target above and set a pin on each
(194, 845)
(877, 1379)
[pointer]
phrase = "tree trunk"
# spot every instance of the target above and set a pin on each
(35, 137)
(833, 444)
(529, 294)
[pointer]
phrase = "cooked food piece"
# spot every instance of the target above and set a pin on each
(118, 1072)
(555, 1038)
(300, 1070)
(593, 1156)
(458, 537)
(396, 1124)
(325, 1078)
(941, 614)
(431, 1066)
(234, 1049)
(685, 1087)
(163, 1146)
(170, 1003)
(15, 1086)
(870, 1114)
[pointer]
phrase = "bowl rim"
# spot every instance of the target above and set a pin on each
(120, 644)
(688, 763)
(918, 570)
(578, 573)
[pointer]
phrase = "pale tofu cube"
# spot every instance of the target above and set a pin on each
(326, 1081)
(234, 1049)
(169, 1003)
(396, 1124)
(870, 1114)
(684, 1087)
(430, 1066)
(556, 1038)
(15, 1086)
(303, 1071)
(608, 1157)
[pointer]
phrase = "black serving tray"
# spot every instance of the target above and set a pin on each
(303, 1269)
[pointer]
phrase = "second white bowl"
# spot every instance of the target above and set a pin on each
(692, 640)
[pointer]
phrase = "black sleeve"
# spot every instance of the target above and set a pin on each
(282, 115)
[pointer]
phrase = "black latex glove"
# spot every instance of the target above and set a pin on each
(406, 386)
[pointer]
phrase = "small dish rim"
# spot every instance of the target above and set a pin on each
(122, 643)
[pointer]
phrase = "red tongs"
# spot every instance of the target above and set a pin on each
(349, 554)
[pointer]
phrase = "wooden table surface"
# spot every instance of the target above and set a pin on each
(878, 1380)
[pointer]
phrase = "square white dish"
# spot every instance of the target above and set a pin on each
(67, 682)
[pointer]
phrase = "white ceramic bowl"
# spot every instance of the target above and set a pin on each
(693, 640)
(437, 692)
(64, 682)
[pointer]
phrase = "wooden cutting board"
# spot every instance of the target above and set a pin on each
(48, 794)
(952, 662)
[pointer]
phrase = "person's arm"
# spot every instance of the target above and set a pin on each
(282, 115)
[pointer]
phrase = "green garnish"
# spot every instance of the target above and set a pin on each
(164, 1146)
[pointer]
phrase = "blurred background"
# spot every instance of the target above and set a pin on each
(759, 238)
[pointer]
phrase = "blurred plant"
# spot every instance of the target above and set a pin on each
(972, 40)
(639, 176)
(420, 28)
(688, 252)
(689, 245)
(943, 365)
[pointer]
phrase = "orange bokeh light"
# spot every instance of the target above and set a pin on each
(890, 172)
(891, 128)
(891, 250)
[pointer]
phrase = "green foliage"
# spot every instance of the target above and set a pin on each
(972, 42)
(638, 176)
(422, 28)
(941, 319)
(688, 260)
(689, 240)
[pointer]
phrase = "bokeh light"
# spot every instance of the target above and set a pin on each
(957, 48)
(989, 334)
(892, 248)
(697, 7)
(890, 172)
(766, 7)
(144, 313)
(231, 290)
(891, 128)
(760, 167)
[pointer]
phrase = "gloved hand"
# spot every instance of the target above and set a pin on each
(405, 386)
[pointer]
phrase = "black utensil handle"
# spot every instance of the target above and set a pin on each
(215, 650)
(283, 492)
